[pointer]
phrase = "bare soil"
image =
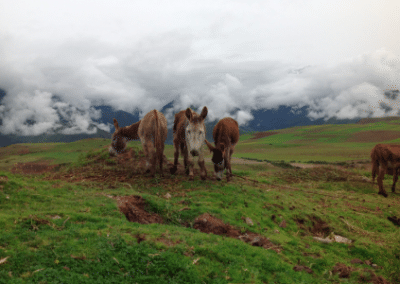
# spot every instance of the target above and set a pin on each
(318, 228)
(133, 207)
(343, 270)
(372, 120)
(209, 224)
(32, 168)
(375, 136)
(259, 135)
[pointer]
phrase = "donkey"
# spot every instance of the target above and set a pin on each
(226, 136)
(152, 132)
(189, 135)
(385, 160)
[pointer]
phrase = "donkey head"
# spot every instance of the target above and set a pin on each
(218, 159)
(195, 132)
(118, 143)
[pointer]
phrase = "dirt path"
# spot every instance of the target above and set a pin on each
(237, 161)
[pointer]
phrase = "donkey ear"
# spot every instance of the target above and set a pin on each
(209, 145)
(116, 124)
(204, 113)
(189, 114)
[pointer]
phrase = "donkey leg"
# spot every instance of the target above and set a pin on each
(176, 156)
(203, 170)
(160, 157)
(381, 175)
(146, 153)
(153, 155)
(189, 164)
(226, 163)
(186, 161)
(395, 177)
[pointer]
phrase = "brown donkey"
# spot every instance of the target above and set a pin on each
(226, 136)
(189, 135)
(385, 160)
(152, 132)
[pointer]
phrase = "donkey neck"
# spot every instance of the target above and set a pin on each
(130, 132)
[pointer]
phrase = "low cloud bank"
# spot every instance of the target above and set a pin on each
(164, 68)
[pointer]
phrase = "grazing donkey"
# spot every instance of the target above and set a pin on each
(189, 135)
(226, 136)
(385, 160)
(152, 132)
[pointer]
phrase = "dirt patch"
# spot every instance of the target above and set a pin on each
(321, 173)
(259, 135)
(377, 119)
(167, 242)
(318, 228)
(238, 161)
(343, 270)
(32, 168)
(209, 224)
(301, 268)
(374, 136)
(133, 207)
(24, 152)
(371, 277)
(364, 209)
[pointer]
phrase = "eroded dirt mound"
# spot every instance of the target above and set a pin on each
(318, 228)
(374, 136)
(343, 270)
(370, 277)
(259, 135)
(209, 224)
(133, 207)
(32, 168)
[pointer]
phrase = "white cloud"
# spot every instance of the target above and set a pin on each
(232, 57)
(38, 112)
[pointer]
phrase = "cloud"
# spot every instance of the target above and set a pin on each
(40, 112)
(155, 70)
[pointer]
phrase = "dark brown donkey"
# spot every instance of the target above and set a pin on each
(385, 160)
(152, 132)
(226, 136)
(189, 134)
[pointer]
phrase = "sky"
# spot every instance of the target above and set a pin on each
(59, 59)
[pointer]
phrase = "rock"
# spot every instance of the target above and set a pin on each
(340, 239)
(322, 240)
(249, 221)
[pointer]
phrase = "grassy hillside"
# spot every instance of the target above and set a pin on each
(65, 211)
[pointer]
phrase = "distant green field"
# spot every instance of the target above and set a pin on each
(64, 225)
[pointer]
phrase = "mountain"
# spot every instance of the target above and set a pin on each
(285, 117)
(264, 120)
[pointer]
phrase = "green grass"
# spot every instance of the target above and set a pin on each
(58, 231)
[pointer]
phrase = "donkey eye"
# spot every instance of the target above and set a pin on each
(188, 131)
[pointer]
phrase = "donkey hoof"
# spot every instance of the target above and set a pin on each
(191, 178)
(383, 193)
(173, 170)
